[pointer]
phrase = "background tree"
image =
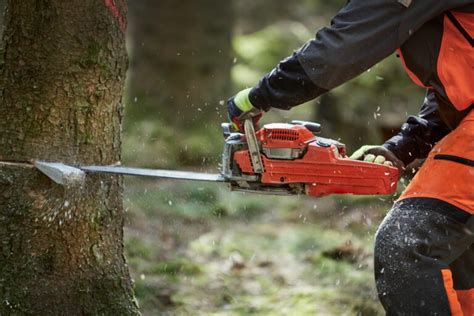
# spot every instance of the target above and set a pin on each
(180, 71)
(61, 79)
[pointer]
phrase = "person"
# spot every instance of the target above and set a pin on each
(424, 248)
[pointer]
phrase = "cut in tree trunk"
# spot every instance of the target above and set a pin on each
(61, 249)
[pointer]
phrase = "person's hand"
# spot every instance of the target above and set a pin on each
(239, 108)
(379, 155)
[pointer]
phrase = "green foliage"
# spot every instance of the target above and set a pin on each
(198, 200)
(261, 51)
(242, 254)
(138, 248)
(176, 266)
(316, 7)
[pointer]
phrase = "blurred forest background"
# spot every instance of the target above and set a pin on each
(199, 249)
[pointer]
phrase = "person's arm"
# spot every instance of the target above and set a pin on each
(420, 133)
(361, 34)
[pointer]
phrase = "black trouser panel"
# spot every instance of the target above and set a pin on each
(417, 240)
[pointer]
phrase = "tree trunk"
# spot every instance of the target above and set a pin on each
(180, 60)
(2, 15)
(62, 73)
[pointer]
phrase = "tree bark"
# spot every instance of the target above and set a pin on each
(2, 14)
(61, 80)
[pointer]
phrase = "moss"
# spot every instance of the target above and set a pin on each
(2, 58)
(99, 257)
(137, 248)
(366, 308)
(250, 209)
(92, 56)
(106, 300)
(6, 179)
(18, 209)
(84, 106)
(202, 194)
(361, 200)
(152, 296)
(176, 266)
(144, 291)
(17, 301)
(281, 266)
(220, 211)
(100, 218)
(14, 299)
(185, 200)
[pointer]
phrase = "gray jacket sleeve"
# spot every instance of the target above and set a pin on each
(360, 35)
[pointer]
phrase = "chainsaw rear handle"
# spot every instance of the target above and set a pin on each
(226, 129)
(228, 133)
(312, 127)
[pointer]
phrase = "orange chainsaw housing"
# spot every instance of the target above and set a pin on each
(322, 167)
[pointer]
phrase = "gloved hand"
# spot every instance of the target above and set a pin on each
(239, 108)
(379, 155)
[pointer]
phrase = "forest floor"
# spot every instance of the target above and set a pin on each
(198, 249)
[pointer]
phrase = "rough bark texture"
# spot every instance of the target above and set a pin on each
(2, 14)
(180, 59)
(62, 73)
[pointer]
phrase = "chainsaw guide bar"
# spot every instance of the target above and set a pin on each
(155, 173)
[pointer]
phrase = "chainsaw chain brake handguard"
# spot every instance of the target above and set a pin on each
(253, 147)
(315, 128)
(311, 126)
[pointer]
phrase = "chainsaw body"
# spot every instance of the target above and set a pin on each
(292, 159)
(287, 159)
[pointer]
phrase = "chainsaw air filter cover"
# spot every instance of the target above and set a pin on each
(284, 141)
(290, 141)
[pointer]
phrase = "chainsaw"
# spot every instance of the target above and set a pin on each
(278, 159)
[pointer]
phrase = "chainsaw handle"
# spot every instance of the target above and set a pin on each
(226, 129)
(228, 132)
(312, 127)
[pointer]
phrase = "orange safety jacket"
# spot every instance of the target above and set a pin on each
(448, 173)
(441, 57)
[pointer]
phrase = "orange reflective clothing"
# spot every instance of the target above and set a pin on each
(460, 302)
(454, 304)
(455, 64)
(466, 300)
(448, 172)
(456, 59)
